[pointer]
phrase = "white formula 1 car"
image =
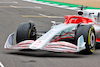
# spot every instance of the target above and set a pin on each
(78, 33)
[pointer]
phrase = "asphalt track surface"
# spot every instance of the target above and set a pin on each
(14, 12)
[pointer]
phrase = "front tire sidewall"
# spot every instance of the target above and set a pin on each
(88, 33)
(91, 40)
(25, 32)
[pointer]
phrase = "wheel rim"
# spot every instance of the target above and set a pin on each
(33, 32)
(92, 40)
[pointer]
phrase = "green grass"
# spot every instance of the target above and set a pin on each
(65, 4)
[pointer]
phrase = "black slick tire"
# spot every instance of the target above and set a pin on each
(26, 31)
(88, 33)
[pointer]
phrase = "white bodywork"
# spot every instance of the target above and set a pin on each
(94, 16)
(43, 43)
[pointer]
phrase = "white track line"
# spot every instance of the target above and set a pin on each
(42, 15)
(1, 65)
(9, 2)
(54, 5)
(51, 16)
(56, 17)
(25, 7)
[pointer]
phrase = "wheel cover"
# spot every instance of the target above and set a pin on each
(92, 39)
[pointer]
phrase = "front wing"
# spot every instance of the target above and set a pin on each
(59, 46)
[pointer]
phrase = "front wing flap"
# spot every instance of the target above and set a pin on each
(60, 46)
(22, 45)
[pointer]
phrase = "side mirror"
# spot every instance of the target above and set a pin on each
(98, 14)
(98, 17)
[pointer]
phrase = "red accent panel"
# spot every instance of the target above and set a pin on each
(98, 40)
(79, 19)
